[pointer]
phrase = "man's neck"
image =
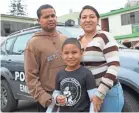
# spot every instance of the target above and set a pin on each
(50, 31)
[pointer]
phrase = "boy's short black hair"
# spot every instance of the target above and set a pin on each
(45, 6)
(91, 8)
(72, 41)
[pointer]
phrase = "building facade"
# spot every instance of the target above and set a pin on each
(71, 16)
(122, 22)
(10, 24)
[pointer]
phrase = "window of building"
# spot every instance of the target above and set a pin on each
(20, 44)
(7, 29)
(130, 18)
(137, 17)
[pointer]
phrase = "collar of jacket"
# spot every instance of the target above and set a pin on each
(45, 33)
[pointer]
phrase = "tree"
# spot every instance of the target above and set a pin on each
(17, 8)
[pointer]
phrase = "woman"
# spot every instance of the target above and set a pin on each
(101, 57)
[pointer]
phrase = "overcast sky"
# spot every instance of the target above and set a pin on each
(63, 6)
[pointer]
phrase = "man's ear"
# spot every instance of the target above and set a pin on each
(38, 20)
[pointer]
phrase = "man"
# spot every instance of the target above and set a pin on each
(42, 58)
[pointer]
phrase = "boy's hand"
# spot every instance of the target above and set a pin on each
(97, 102)
(61, 99)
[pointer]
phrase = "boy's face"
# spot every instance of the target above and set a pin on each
(71, 55)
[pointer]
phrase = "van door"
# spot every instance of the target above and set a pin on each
(17, 64)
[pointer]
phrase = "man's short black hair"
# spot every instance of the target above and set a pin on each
(45, 6)
(91, 8)
(72, 41)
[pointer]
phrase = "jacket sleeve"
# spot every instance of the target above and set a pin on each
(31, 67)
(111, 54)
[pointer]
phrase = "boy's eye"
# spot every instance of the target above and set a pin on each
(74, 52)
(65, 52)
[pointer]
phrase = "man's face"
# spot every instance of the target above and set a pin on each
(48, 19)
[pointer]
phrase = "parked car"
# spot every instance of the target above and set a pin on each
(13, 86)
(129, 78)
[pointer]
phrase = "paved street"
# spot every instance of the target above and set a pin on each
(26, 106)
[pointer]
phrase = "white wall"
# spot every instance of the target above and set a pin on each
(116, 28)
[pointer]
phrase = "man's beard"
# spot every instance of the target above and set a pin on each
(49, 29)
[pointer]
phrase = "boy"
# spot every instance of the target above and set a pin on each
(75, 84)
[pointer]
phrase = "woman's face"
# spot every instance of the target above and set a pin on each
(88, 20)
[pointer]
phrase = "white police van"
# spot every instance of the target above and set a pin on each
(13, 86)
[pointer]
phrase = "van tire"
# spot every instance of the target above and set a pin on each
(9, 100)
(131, 102)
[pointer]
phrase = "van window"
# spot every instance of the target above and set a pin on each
(2, 49)
(9, 43)
(20, 43)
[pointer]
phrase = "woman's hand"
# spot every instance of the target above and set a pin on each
(97, 102)
(61, 100)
